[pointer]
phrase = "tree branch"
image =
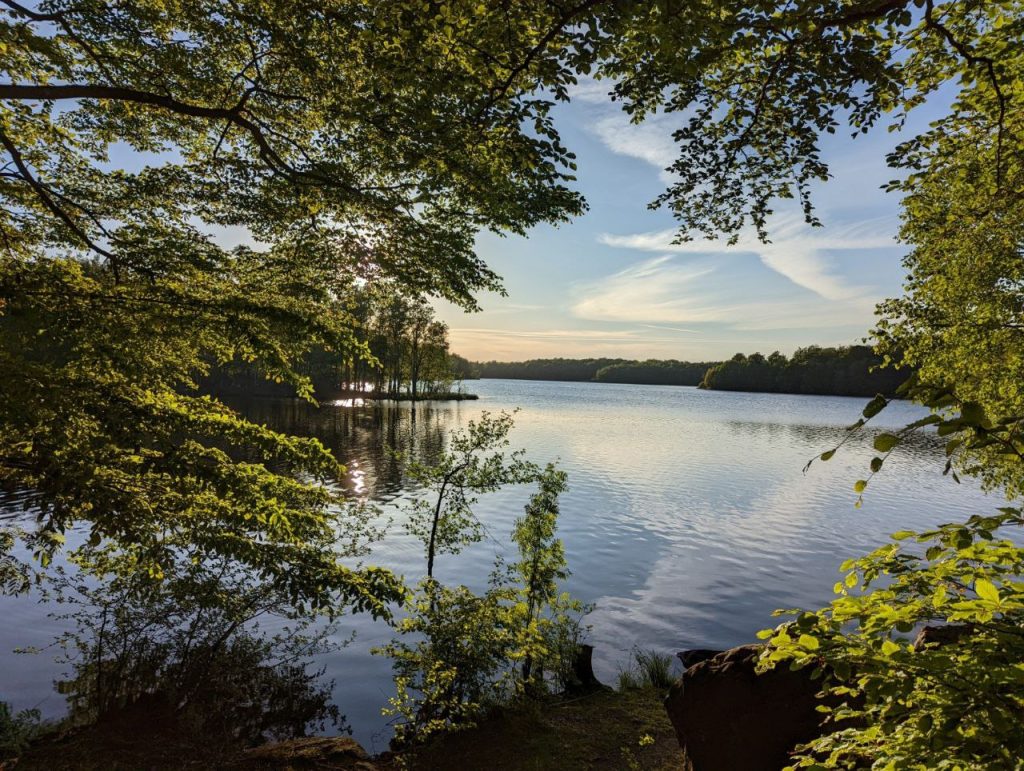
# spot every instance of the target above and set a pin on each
(974, 59)
(44, 195)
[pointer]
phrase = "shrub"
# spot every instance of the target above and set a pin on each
(16, 730)
(899, 706)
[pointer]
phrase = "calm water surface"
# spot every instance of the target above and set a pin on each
(687, 521)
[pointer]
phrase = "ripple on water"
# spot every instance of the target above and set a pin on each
(687, 521)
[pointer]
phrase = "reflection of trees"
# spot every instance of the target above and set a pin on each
(364, 438)
(185, 667)
(923, 445)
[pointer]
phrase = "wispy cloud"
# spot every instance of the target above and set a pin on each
(672, 290)
(797, 251)
(652, 291)
(662, 293)
(650, 141)
(591, 91)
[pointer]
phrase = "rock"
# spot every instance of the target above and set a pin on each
(583, 678)
(695, 656)
(729, 718)
(315, 752)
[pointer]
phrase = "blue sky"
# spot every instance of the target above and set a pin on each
(611, 284)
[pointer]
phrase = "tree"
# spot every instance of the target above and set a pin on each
(352, 142)
(960, 322)
(442, 516)
(416, 341)
(541, 562)
(473, 651)
(896, 704)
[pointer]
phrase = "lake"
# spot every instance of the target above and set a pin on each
(688, 517)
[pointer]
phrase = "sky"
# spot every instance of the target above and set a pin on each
(612, 284)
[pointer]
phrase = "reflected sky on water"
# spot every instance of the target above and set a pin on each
(688, 517)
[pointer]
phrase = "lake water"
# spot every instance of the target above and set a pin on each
(688, 517)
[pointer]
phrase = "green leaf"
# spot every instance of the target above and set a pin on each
(889, 648)
(986, 590)
(860, 485)
(886, 442)
(972, 413)
(875, 406)
(827, 455)
(809, 642)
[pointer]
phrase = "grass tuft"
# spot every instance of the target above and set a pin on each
(648, 669)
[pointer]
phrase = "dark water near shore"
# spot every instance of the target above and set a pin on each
(687, 521)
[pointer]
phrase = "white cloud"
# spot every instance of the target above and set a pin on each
(650, 141)
(797, 250)
(591, 91)
(666, 290)
(657, 293)
(651, 291)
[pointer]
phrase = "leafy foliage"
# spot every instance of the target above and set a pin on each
(441, 515)
(471, 652)
(16, 730)
(348, 143)
(954, 703)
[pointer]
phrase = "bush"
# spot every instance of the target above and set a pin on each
(952, 706)
(193, 657)
(471, 652)
(16, 730)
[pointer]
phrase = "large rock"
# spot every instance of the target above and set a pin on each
(729, 718)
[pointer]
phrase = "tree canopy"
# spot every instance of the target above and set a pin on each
(350, 142)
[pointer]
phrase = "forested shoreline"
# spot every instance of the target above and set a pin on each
(399, 351)
(853, 370)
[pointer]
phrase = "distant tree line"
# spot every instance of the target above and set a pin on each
(408, 351)
(655, 372)
(650, 372)
(844, 371)
(571, 370)
(841, 371)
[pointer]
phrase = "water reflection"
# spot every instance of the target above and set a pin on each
(688, 518)
(365, 437)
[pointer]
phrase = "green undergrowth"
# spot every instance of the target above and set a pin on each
(604, 730)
